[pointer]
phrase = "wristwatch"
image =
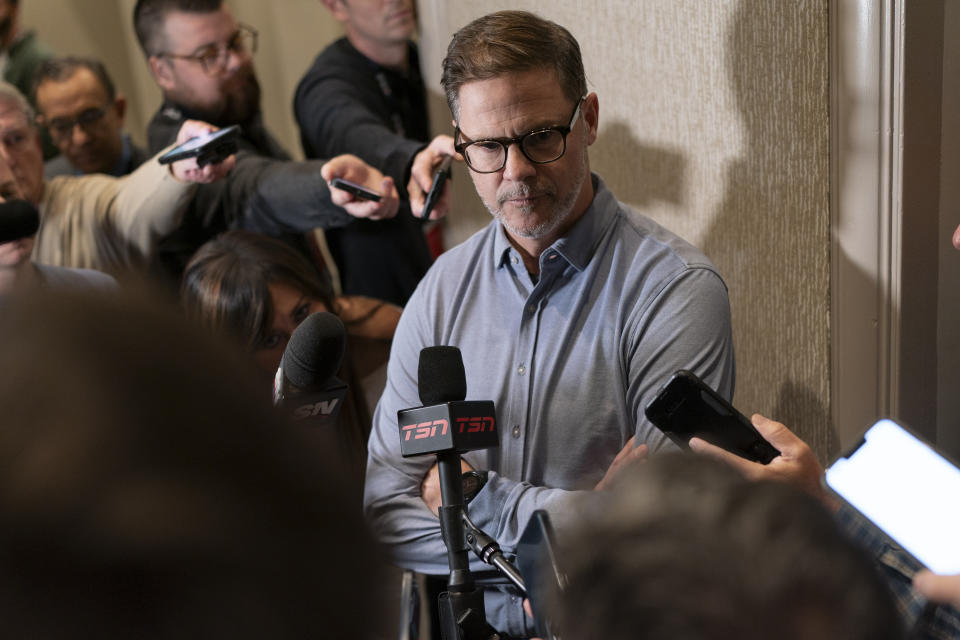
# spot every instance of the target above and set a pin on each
(473, 482)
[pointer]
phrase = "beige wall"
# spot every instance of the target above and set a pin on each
(713, 120)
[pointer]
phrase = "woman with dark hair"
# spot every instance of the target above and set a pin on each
(258, 290)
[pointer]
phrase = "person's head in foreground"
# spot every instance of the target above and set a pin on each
(684, 547)
(147, 492)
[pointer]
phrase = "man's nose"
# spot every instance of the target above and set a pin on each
(79, 135)
(236, 58)
(517, 166)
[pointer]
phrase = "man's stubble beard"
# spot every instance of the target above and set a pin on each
(240, 101)
(561, 210)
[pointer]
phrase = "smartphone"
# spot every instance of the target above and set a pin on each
(209, 148)
(686, 407)
(537, 563)
(906, 488)
(440, 177)
(356, 189)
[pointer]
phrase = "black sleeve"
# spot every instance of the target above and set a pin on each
(338, 116)
(274, 196)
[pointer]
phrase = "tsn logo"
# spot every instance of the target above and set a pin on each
(311, 409)
(428, 429)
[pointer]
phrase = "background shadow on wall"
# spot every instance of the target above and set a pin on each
(770, 236)
(660, 172)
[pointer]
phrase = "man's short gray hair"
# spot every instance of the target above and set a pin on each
(9, 94)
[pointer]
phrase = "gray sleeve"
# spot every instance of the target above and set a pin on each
(686, 326)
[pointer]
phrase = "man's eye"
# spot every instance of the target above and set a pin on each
(487, 146)
(545, 138)
(208, 55)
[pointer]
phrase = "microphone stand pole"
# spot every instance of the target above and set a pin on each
(462, 614)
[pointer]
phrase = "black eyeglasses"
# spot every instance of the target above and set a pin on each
(539, 146)
(63, 127)
(213, 58)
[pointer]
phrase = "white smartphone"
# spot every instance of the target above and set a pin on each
(906, 488)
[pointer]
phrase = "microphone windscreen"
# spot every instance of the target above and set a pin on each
(315, 351)
(440, 376)
(18, 219)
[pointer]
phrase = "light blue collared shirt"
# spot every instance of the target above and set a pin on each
(621, 304)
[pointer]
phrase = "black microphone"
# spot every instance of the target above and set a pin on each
(446, 422)
(18, 219)
(306, 382)
(447, 425)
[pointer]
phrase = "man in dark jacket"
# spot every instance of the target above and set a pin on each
(364, 95)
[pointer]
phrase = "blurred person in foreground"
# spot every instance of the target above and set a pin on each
(686, 548)
(148, 490)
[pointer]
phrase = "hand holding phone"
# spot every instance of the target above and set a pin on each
(211, 148)
(440, 177)
(686, 407)
(355, 189)
(906, 488)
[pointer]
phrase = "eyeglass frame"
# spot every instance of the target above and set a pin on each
(506, 143)
(86, 119)
(223, 50)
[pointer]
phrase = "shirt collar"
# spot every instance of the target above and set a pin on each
(122, 166)
(579, 244)
(120, 169)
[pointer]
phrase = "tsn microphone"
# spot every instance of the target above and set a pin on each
(306, 383)
(446, 422)
(18, 219)
(447, 425)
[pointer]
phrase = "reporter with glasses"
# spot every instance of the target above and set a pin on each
(202, 60)
(78, 104)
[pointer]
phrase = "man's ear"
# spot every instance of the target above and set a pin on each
(120, 104)
(591, 116)
(162, 72)
(337, 9)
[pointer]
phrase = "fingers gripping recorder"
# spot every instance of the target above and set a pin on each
(447, 425)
